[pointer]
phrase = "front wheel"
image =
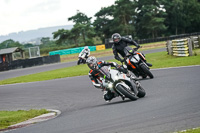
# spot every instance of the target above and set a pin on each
(141, 92)
(146, 70)
(79, 61)
(126, 92)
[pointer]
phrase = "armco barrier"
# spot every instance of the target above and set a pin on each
(71, 51)
(100, 47)
(23, 63)
(181, 47)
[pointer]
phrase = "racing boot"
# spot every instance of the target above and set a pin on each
(108, 95)
(149, 64)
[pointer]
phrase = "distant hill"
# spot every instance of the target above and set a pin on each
(27, 36)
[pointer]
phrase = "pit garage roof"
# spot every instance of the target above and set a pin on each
(10, 50)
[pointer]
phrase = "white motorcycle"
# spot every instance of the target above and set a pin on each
(120, 84)
(82, 58)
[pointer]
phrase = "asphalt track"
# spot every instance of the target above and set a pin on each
(171, 104)
(43, 68)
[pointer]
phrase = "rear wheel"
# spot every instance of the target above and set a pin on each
(126, 92)
(146, 70)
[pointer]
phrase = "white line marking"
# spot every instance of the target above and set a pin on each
(175, 67)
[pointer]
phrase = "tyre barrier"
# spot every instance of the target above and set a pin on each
(183, 47)
(180, 47)
(195, 42)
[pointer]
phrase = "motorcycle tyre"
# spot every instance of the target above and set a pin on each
(144, 76)
(146, 70)
(141, 92)
(126, 93)
(79, 61)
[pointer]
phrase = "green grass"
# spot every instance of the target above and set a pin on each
(162, 60)
(109, 52)
(196, 130)
(159, 60)
(8, 118)
(54, 74)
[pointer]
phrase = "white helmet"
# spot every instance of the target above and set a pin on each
(86, 48)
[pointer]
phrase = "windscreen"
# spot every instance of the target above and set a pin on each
(105, 71)
(128, 50)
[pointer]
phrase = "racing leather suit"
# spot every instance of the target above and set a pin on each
(95, 77)
(85, 51)
(119, 47)
(95, 74)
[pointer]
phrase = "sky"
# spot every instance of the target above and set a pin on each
(23, 15)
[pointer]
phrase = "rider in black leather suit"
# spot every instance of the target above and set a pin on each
(119, 44)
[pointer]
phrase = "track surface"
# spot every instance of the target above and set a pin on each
(43, 68)
(171, 104)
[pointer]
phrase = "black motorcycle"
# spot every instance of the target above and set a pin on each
(136, 63)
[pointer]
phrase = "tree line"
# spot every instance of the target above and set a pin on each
(140, 18)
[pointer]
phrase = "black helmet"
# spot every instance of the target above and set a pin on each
(116, 37)
(92, 62)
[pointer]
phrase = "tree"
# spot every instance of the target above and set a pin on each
(75, 34)
(124, 17)
(84, 23)
(104, 22)
(28, 45)
(9, 44)
(62, 35)
(45, 40)
(150, 18)
(182, 16)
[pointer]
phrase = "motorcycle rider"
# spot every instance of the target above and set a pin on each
(86, 50)
(86, 53)
(95, 75)
(119, 44)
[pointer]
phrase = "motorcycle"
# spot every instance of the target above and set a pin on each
(82, 58)
(137, 63)
(120, 84)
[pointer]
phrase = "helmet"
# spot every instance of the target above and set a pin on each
(116, 37)
(92, 62)
(86, 48)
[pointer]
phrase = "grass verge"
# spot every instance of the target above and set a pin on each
(196, 130)
(109, 52)
(159, 60)
(8, 118)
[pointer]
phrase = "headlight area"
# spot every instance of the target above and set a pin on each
(110, 85)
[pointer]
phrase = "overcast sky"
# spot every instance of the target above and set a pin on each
(23, 15)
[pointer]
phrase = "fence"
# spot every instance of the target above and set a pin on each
(23, 63)
(109, 43)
